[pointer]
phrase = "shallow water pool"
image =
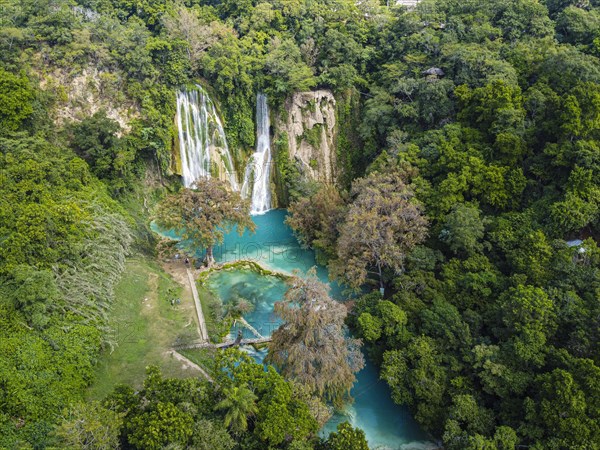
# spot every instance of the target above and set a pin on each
(386, 425)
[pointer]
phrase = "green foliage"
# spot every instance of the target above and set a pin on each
(283, 414)
(164, 424)
(63, 246)
(350, 152)
(417, 377)
(285, 68)
(34, 292)
(239, 403)
(16, 98)
(491, 110)
(315, 220)
(285, 411)
(563, 408)
(311, 348)
(346, 437)
(110, 158)
(205, 213)
(61, 361)
(89, 425)
(147, 10)
(162, 413)
(211, 435)
(463, 229)
(313, 135)
(287, 175)
(369, 327)
(576, 25)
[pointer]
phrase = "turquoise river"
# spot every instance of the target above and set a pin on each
(386, 425)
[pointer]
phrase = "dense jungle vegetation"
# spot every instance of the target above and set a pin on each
(469, 151)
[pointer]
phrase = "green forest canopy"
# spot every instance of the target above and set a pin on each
(489, 110)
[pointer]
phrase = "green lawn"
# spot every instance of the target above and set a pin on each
(146, 325)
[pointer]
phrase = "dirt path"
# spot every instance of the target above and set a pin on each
(199, 313)
(189, 364)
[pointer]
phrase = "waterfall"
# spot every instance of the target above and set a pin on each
(258, 171)
(202, 142)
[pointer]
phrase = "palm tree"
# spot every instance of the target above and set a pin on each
(239, 404)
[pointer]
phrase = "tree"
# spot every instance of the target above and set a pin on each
(578, 26)
(239, 404)
(204, 213)
(505, 438)
(369, 326)
(529, 316)
(96, 140)
(286, 410)
(211, 435)
(347, 438)
(443, 321)
(581, 205)
(526, 248)
(417, 377)
(527, 307)
(384, 319)
(315, 220)
(33, 292)
(286, 70)
(563, 411)
(16, 97)
(311, 346)
(90, 426)
(464, 229)
(282, 413)
(184, 23)
(383, 223)
(162, 425)
(260, 408)
(495, 107)
(467, 419)
(148, 10)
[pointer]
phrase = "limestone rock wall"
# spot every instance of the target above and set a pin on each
(309, 120)
(86, 92)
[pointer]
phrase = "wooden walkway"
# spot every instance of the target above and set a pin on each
(199, 313)
(203, 341)
(226, 344)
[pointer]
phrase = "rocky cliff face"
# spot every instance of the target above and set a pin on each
(82, 94)
(310, 125)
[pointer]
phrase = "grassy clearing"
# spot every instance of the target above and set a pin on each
(146, 326)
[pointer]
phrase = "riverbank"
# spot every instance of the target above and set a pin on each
(254, 267)
(274, 248)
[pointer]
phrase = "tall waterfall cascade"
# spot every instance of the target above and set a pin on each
(202, 142)
(257, 176)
